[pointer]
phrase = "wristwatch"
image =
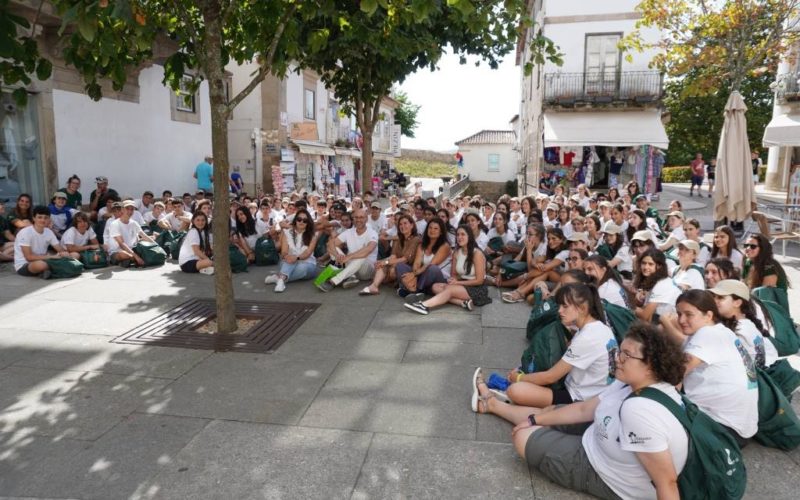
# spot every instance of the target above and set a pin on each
(532, 419)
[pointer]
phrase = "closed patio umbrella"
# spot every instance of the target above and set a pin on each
(734, 193)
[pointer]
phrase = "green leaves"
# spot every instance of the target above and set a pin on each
(318, 39)
(369, 6)
(87, 28)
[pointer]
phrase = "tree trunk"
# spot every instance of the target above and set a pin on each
(214, 74)
(366, 161)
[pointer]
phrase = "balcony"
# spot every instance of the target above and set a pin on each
(613, 89)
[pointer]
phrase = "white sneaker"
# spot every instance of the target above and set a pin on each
(271, 279)
(280, 286)
(208, 270)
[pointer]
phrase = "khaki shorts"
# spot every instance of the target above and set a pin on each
(560, 457)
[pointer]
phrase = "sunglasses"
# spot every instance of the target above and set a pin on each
(302, 219)
(751, 246)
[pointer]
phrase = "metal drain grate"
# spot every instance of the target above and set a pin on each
(178, 326)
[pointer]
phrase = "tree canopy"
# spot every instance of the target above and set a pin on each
(719, 42)
(19, 53)
(406, 114)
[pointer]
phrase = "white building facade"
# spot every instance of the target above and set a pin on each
(577, 121)
(489, 156)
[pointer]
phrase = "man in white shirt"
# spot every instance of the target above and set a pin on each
(178, 220)
(124, 234)
(376, 221)
(359, 262)
(33, 242)
(145, 203)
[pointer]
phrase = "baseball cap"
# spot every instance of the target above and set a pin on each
(640, 197)
(611, 228)
(552, 206)
(606, 203)
(128, 203)
(677, 214)
(101, 179)
(116, 204)
(375, 204)
(731, 287)
(59, 194)
(643, 235)
(690, 245)
(578, 237)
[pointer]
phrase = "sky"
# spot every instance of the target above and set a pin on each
(460, 100)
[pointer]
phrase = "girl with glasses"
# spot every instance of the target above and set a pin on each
(760, 267)
(297, 252)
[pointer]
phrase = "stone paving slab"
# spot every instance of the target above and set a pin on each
(255, 461)
(114, 466)
(502, 315)
(413, 467)
(339, 321)
(408, 325)
(423, 400)
(500, 346)
(245, 387)
(63, 404)
(310, 346)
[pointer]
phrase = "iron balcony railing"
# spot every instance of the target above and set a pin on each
(599, 87)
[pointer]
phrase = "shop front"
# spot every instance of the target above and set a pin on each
(313, 166)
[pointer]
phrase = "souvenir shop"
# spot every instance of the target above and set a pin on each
(604, 149)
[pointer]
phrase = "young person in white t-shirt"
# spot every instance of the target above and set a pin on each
(124, 233)
(609, 287)
(196, 252)
(634, 447)
(362, 252)
(178, 219)
(32, 244)
(655, 291)
(80, 236)
(720, 375)
(688, 275)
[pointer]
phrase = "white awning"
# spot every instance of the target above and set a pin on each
(314, 148)
(347, 152)
(604, 128)
(783, 130)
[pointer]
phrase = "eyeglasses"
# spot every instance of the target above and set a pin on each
(751, 246)
(302, 219)
(623, 356)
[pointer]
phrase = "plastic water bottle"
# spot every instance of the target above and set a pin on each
(497, 381)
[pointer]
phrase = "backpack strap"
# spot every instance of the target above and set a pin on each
(659, 397)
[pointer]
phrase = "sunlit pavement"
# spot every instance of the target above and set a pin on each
(366, 400)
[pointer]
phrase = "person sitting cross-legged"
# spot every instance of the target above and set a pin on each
(297, 252)
(32, 244)
(362, 252)
(403, 251)
(124, 234)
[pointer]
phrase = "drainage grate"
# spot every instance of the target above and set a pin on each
(178, 326)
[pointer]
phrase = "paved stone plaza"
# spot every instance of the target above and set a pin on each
(366, 400)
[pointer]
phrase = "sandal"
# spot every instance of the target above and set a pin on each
(480, 404)
(512, 297)
(367, 291)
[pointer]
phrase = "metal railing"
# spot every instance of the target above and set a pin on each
(639, 87)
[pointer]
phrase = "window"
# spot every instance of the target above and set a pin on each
(308, 106)
(494, 162)
(185, 101)
(601, 63)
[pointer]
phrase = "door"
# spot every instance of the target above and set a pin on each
(601, 69)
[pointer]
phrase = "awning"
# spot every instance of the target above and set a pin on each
(604, 128)
(314, 148)
(347, 152)
(783, 130)
(382, 156)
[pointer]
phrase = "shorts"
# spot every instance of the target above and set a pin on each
(711, 177)
(561, 458)
(190, 266)
(561, 397)
(479, 295)
(24, 271)
(697, 180)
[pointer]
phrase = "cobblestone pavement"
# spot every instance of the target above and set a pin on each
(366, 400)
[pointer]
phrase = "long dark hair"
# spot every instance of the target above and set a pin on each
(204, 234)
(725, 268)
(23, 215)
(471, 247)
(248, 227)
(609, 274)
(731, 242)
(648, 282)
(401, 238)
(703, 301)
(481, 226)
(441, 240)
(558, 233)
(308, 234)
(577, 294)
(505, 217)
(631, 228)
(755, 275)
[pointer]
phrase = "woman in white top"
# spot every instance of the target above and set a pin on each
(195, 253)
(725, 246)
(297, 252)
(688, 275)
(80, 236)
(691, 228)
(585, 364)
(478, 229)
(720, 375)
(502, 240)
(621, 257)
(608, 285)
(634, 447)
(466, 285)
(655, 292)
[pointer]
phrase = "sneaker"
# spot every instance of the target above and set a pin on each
(417, 307)
(468, 305)
(280, 286)
(350, 282)
(207, 270)
(709, 195)
(402, 293)
(45, 275)
(271, 279)
(326, 286)
(414, 297)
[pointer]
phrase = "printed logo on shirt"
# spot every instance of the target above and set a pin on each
(569, 353)
(634, 439)
(761, 354)
(752, 381)
(602, 429)
(611, 348)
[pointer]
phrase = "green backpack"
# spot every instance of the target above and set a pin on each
(784, 376)
(774, 294)
(94, 259)
(547, 346)
(714, 467)
(152, 254)
(605, 251)
(778, 426)
(619, 319)
(512, 268)
(266, 253)
(64, 267)
(786, 338)
(171, 242)
(237, 259)
(543, 313)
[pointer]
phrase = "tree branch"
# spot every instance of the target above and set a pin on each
(36, 19)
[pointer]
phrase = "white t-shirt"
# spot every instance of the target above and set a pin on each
(141, 207)
(612, 292)
(761, 350)
(187, 252)
(263, 226)
(725, 384)
(38, 243)
(356, 242)
(665, 294)
(296, 246)
(176, 222)
(622, 428)
(60, 220)
(590, 354)
(482, 240)
(508, 237)
(149, 217)
(376, 225)
(129, 233)
(138, 217)
(421, 224)
(689, 279)
(73, 237)
(625, 259)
